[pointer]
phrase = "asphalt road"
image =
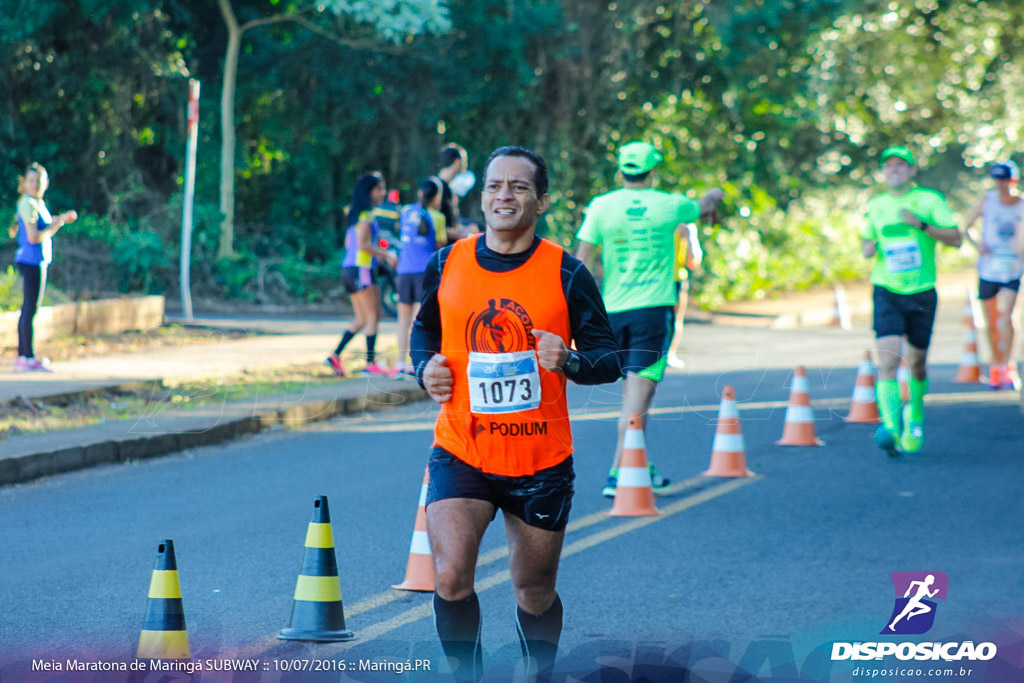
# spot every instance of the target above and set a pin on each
(757, 575)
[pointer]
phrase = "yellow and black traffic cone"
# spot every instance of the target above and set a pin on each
(164, 635)
(317, 613)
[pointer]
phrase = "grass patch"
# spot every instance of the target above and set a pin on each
(34, 417)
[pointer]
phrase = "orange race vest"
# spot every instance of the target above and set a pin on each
(495, 313)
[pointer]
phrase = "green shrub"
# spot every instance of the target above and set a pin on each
(766, 251)
(141, 256)
(10, 292)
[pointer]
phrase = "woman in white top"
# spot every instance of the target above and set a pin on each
(33, 227)
(1000, 266)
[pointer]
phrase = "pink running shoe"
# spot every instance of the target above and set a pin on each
(334, 363)
(995, 377)
(1011, 380)
(377, 369)
(400, 371)
(23, 364)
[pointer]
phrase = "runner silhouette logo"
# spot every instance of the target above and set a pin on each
(503, 327)
(916, 594)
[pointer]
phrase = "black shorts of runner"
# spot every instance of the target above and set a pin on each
(988, 289)
(912, 315)
(356, 278)
(644, 335)
(542, 500)
(410, 288)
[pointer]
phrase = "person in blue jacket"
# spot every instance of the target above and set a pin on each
(423, 231)
(34, 228)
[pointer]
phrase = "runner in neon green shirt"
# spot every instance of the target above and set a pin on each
(903, 227)
(636, 229)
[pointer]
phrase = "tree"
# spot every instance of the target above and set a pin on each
(393, 20)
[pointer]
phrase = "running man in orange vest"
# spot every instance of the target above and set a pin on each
(491, 345)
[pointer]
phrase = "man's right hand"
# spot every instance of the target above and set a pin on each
(438, 379)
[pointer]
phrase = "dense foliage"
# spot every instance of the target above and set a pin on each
(784, 104)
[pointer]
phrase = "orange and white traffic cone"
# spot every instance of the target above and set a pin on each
(799, 428)
(419, 572)
(864, 406)
(841, 310)
(971, 310)
(634, 495)
(728, 454)
(969, 371)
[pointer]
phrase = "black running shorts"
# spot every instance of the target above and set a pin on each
(410, 287)
(988, 289)
(356, 278)
(912, 315)
(542, 500)
(644, 335)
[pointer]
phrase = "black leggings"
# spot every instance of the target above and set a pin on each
(33, 280)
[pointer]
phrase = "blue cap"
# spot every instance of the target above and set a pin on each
(1005, 170)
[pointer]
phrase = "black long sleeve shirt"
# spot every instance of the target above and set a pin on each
(588, 321)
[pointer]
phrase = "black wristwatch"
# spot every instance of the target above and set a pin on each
(572, 364)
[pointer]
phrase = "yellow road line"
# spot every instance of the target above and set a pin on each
(368, 633)
(491, 556)
(424, 610)
(382, 427)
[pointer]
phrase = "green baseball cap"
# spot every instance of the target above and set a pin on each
(638, 157)
(899, 153)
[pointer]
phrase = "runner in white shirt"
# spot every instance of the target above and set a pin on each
(1000, 266)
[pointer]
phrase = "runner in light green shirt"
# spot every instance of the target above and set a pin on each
(905, 258)
(635, 228)
(903, 227)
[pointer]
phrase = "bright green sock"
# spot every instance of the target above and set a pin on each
(889, 403)
(918, 388)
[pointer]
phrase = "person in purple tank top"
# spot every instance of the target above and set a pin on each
(34, 228)
(361, 253)
(422, 228)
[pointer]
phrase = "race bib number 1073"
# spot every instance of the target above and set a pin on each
(503, 382)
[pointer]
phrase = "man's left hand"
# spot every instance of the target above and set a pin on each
(552, 353)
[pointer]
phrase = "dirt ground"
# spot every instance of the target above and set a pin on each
(75, 347)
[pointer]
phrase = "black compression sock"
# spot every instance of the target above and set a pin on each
(538, 635)
(345, 339)
(458, 626)
(371, 348)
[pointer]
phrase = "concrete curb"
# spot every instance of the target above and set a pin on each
(27, 466)
(99, 316)
(68, 396)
